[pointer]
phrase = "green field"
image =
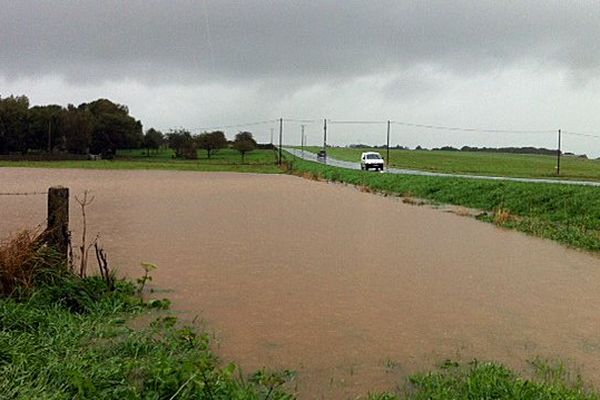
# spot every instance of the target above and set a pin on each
(479, 163)
(569, 214)
(257, 161)
(223, 156)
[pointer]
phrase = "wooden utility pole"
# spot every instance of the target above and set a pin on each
(49, 136)
(558, 154)
(387, 145)
(280, 139)
(58, 220)
(325, 134)
(302, 140)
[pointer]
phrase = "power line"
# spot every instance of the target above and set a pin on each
(453, 128)
(303, 121)
(209, 39)
(401, 123)
(237, 125)
(581, 134)
(347, 122)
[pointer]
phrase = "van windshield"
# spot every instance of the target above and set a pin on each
(373, 157)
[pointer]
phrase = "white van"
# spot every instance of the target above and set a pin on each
(371, 160)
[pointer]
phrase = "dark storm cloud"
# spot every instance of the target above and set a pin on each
(168, 41)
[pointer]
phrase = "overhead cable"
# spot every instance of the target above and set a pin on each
(453, 128)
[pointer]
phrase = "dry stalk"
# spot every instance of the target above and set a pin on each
(501, 216)
(102, 259)
(84, 248)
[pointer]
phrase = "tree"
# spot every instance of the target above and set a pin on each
(153, 139)
(77, 128)
(183, 143)
(114, 128)
(211, 142)
(14, 124)
(44, 131)
(244, 143)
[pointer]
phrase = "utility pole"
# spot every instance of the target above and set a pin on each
(280, 138)
(302, 140)
(387, 146)
(558, 154)
(49, 136)
(325, 134)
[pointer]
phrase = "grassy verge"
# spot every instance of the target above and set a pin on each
(479, 163)
(72, 341)
(63, 336)
(228, 160)
(569, 214)
(493, 381)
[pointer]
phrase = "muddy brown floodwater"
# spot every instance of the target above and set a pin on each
(351, 290)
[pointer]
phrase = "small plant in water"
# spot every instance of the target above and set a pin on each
(148, 267)
(271, 382)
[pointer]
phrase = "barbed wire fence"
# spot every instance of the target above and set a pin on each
(22, 193)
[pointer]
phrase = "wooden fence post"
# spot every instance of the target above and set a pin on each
(58, 219)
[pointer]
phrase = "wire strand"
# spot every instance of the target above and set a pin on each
(401, 123)
(237, 125)
(347, 122)
(452, 128)
(581, 134)
(303, 121)
(21, 193)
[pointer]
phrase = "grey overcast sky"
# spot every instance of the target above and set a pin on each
(516, 65)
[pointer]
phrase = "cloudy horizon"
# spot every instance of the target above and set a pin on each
(196, 64)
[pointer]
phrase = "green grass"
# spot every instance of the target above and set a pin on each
(223, 156)
(478, 163)
(569, 214)
(73, 340)
(229, 160)
(494, 381)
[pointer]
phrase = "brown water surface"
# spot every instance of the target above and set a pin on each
(352, 290)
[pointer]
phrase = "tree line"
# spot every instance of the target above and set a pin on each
(186, 145)
(98, 127)
(513, 150)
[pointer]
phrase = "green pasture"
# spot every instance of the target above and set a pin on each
(479, 163)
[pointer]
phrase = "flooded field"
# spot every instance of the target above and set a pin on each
(351, 290)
